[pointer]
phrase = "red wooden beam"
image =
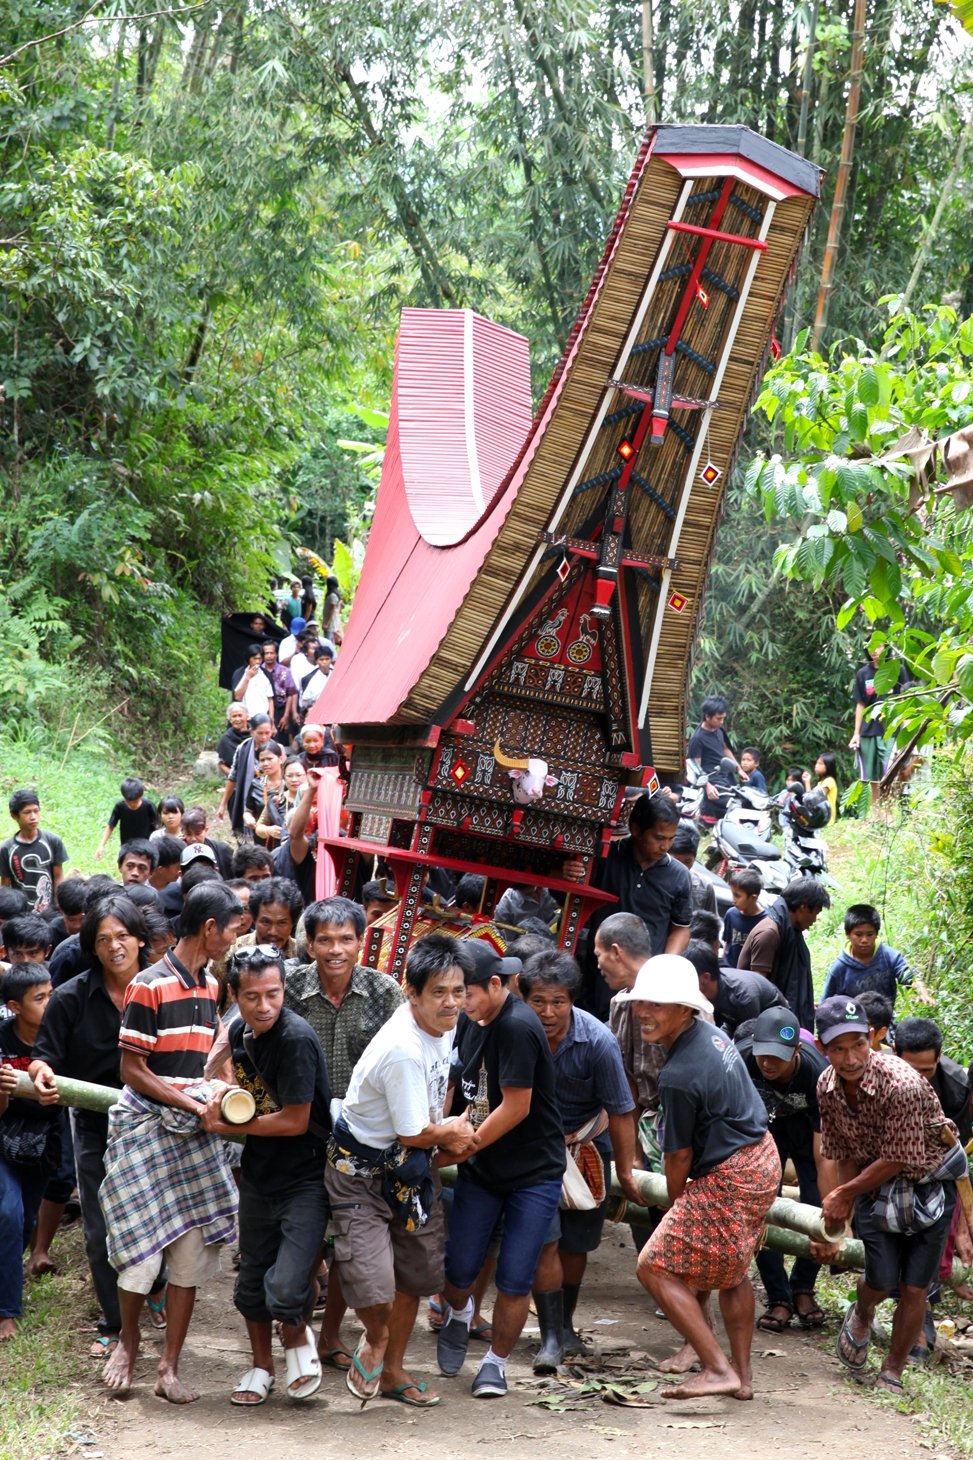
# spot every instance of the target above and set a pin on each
(717, 234)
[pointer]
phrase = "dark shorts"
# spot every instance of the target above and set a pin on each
(376, 1258)
(577, 1231)
(893, 1259)
(280, 1243)
(872, 755)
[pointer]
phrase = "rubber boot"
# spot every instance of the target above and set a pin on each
(571, 1342)
(550, 1316)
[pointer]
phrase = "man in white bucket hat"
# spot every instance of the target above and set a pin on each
(722, 1173)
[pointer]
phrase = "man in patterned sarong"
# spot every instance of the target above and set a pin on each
(722, 1173)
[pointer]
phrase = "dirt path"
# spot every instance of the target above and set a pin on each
(804, 1406)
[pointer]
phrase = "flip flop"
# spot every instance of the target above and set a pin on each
(370, 1381)
(330, 1358)
(858, 1346)
(400, 1393)
(482, 1332)
(813, 1317)
(889, 1383)
(254, 1381)
(304, 1370)
(157, 1312)
(102, 1346)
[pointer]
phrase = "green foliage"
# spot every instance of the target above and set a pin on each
(863, 524)
(771, 647)
(916, 871)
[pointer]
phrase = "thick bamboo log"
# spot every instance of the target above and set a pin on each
(79, 1094)
(790, 1224)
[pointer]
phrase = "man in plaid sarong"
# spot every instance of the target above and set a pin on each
(167, 1195)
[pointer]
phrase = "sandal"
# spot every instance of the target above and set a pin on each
(157, 1311)
(303, 1370)
(333, 1356)
(254, 1381)
(370, 1380)
(103, 1345)
(889, 1383)
(849, 1350)
(401, 1393)
(813, 1317)
(770, 1324)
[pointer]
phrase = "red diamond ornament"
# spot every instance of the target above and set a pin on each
(677, 602)
(459, 771)
(563, 569)
(710, 474)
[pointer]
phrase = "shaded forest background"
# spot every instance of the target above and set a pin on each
(210, 217)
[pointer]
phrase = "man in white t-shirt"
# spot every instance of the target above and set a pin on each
(386, 1204)
(251, 687)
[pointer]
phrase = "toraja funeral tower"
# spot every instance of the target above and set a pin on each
(519, 645)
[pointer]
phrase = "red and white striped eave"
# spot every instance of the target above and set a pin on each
(464, 410)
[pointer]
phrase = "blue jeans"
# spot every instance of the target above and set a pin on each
(281, 1235)
(780, 1288)
(526, 1217)
(20, 1197)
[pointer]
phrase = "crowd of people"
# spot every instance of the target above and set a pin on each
(676, 1043)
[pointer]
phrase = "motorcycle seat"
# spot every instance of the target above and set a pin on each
(744, 844)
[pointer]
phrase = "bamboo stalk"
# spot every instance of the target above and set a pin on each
(843, 178)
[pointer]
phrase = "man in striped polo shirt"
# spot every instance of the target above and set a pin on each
(168, 1195)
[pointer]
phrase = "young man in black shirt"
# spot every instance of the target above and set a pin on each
(283, 1206)
(736, 994)
(647, 881)
(504, 1073)
(785, 1071)
(32, 860)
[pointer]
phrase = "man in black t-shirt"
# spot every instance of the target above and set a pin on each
(709, 743)
(283, 1206)
(503, 1072)
(722, 1174)
(785, 1070)
(647, 881)
(868, 736)
(737, 994)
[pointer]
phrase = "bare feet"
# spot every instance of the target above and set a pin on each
(680, 1362)
(40, 1263)
(170, 1386)
(707, 1381)
(119, 1370)
(8, 1329)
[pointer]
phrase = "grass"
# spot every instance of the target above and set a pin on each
(939, 1396)
(77, 792)
(43, 1371)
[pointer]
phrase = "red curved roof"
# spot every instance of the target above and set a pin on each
(461, 410)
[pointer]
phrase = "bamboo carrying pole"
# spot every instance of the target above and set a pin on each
(791, 1224)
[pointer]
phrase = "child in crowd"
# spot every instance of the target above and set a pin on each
(826, 770)
(746, 884)
(135, 817)
(878, 1012)
(171, 810)
(32, 860)
(29, 1144)
(868, 964)
(750, 766)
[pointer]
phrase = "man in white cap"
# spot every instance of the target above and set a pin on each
(722, 1173)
